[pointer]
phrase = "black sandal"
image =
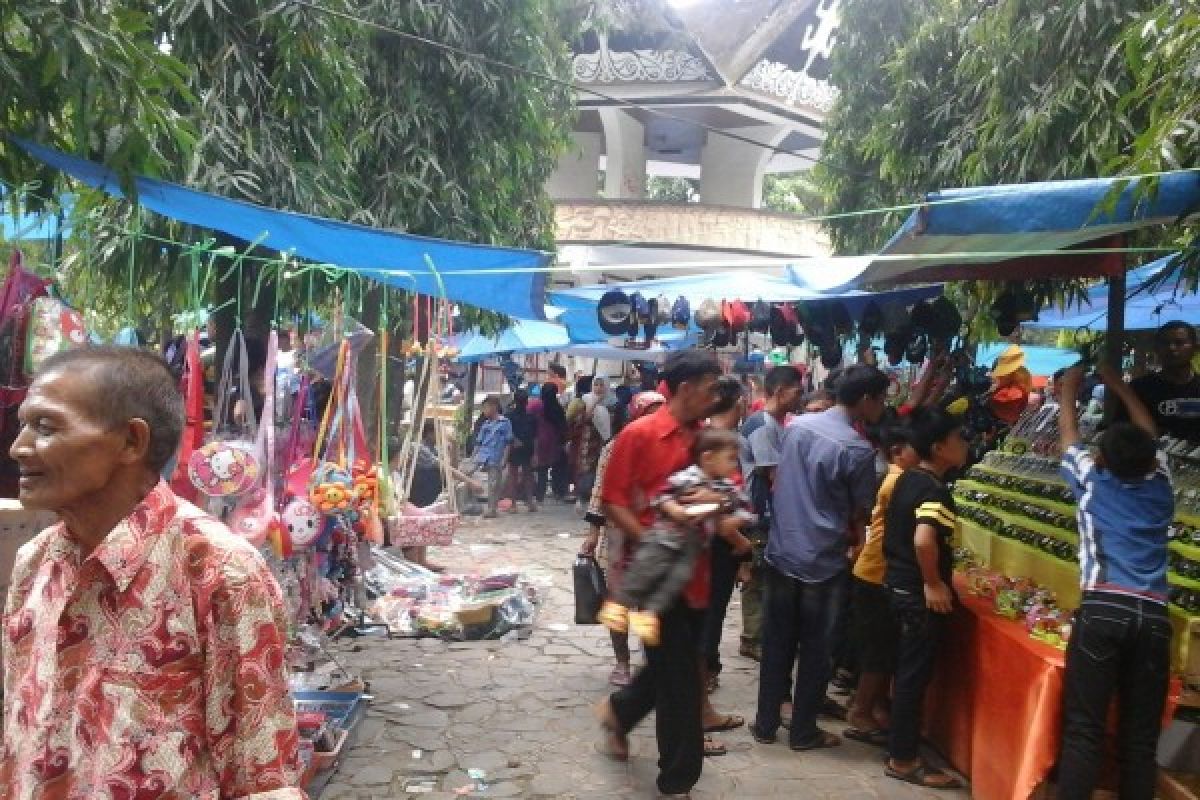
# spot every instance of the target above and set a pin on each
(924, 777)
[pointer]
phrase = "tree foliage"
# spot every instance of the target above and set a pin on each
(947, 93)
(288, 106)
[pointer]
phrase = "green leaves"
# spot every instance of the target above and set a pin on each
(943, 93)
(280, 104)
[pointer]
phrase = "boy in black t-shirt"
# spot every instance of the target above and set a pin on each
(918, 527)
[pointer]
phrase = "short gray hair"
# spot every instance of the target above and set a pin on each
(129, 383)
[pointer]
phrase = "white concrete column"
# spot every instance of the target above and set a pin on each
(577, 176)
(625, 155)
(731, 171)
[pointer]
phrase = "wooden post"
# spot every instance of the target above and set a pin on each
(472, 384)
(1114, 344)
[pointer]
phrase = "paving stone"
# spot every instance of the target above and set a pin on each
(369, 775)
(520, 710)
(550, 785)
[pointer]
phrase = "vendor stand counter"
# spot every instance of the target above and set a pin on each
(995, 706)
(995, 703)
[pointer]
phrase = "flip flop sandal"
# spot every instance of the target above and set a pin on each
(728, 723)
(922, 776)
(823, 741)
(712, 749)
(876, 737)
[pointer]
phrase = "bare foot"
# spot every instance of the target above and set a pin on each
(615, 740)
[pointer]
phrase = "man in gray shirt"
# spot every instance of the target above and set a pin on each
(762, 437)
(824, 490)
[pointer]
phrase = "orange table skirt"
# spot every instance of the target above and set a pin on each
(994, 706)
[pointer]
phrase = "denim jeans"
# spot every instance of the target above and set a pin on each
(1119, 644)
(803, 616)
(920, 631)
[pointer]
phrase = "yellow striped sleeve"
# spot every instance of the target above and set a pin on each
(937, 514)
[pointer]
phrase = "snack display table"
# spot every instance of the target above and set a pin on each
(995, 703)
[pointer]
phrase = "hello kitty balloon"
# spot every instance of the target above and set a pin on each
(223, 468)
(301, 522)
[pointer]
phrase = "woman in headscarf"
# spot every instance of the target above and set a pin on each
(549, 451)
(590, 427)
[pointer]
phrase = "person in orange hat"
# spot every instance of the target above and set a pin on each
(1011, 385)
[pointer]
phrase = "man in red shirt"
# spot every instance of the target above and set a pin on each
(645, 454)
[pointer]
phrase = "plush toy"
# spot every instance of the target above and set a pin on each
(366, 483)
(302, 522)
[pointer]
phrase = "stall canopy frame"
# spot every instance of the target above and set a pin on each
(393, 258)
(968, 234)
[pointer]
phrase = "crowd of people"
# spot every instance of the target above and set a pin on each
(834, 514)
(143, 641)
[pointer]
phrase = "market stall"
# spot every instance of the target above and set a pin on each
(286, 451)
(1000, 679)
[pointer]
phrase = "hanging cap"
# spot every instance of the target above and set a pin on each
(613, 312)
(1009, 362)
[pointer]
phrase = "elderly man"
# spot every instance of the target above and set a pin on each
(143, 642)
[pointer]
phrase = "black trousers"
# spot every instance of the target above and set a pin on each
(724, 575)
(920, 631)
(1119, 644)
(669, 685)
(804, 616)
(555, 477)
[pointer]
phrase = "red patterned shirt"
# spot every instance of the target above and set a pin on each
(153, 668)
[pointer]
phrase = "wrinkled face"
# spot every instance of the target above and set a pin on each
(697, 397)
(1176, 349)
(65, 456)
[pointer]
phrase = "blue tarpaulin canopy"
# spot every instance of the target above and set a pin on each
(397, 259)
(1038, 360)
(1146, 308)
(963, 231)
(579, 305)
(523, 336)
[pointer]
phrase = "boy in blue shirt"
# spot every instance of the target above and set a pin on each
(493, 445)
(1121, 639)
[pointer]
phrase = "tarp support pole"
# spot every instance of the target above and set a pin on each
(472, 383)
(1115, 337)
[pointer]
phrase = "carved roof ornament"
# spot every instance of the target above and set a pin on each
(778, 49)
(796, 68)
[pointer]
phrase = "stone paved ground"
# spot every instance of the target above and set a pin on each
(521, 711)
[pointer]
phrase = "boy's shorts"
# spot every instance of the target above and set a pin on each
(875, 627)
